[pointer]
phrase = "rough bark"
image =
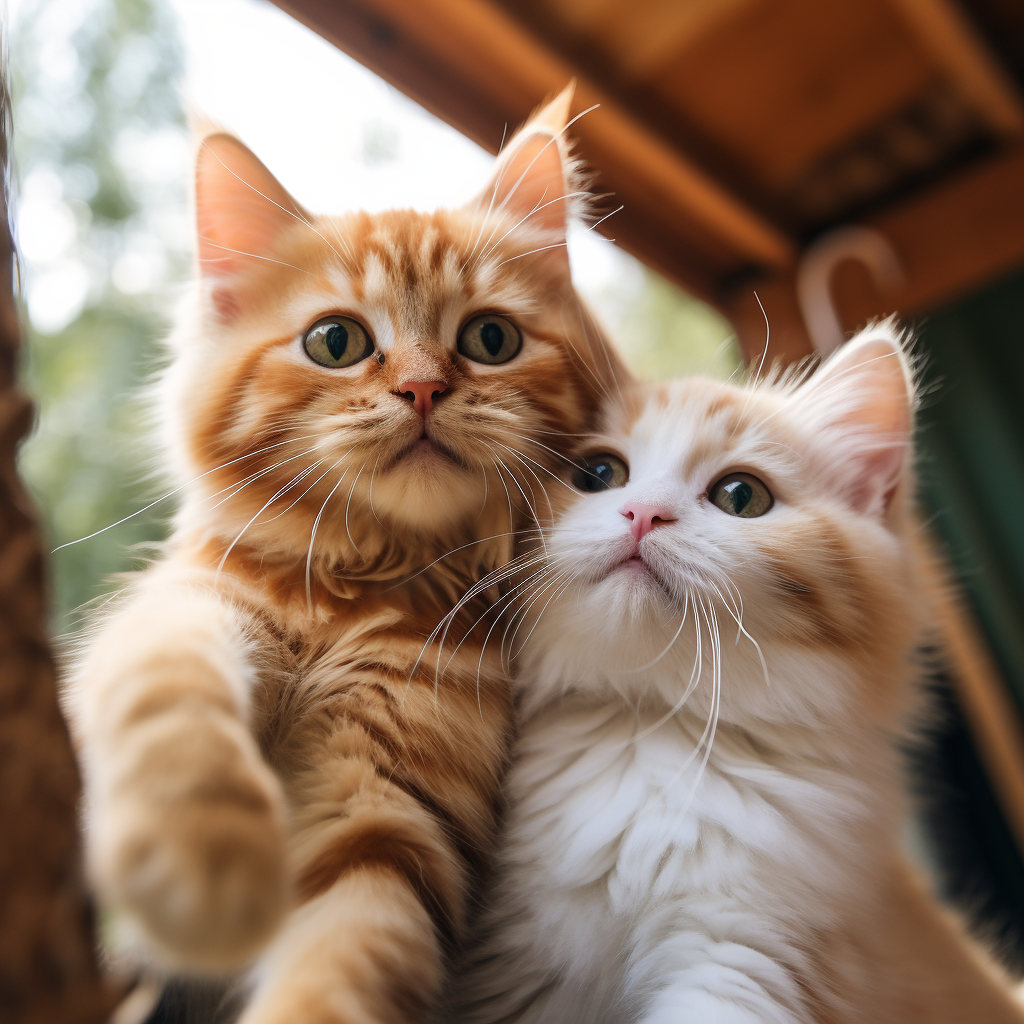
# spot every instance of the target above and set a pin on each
(48, 968)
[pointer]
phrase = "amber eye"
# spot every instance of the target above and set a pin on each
(743, 495)
(600, 472)
(490, 339)
(337, 341)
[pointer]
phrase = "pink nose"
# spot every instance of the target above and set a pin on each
(644, 518)
(421, 394)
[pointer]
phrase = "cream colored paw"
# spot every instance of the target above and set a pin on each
(188, 843)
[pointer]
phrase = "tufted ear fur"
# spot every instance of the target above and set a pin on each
(861, 407)
(534, 175)
(240, 206)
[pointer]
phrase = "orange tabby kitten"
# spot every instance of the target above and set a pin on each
(364, 407)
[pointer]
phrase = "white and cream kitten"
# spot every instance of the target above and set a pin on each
(705, 804)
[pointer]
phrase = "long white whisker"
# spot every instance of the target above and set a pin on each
(284, 490)
(181, 487)
(312, 536)
(668, 646)
(250, 255)
(509, 569)
(462, 547)
(450, 617)
(284, 209)
(348, 504)
(525, 460)
(312, 469)
(258, 475)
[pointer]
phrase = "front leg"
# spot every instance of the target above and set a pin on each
(184, 820)
(394, 810)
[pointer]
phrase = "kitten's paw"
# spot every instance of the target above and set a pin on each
(189, 844)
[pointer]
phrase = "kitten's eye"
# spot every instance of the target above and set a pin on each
(741, 494)
(490, 339)
(337, 341)
(599, 472)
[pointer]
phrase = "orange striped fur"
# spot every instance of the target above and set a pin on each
(280, 772)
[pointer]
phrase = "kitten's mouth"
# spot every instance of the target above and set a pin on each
(426, 447)
(636, 565)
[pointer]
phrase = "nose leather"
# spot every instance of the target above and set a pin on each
(421, 393)
(643, 518)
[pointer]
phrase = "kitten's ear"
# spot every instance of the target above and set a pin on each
(533, 172)
(240, 206)
(861, 404)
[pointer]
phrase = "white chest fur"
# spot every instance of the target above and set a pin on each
(644, 879)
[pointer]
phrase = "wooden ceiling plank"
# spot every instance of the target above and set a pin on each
(792, 81)
(953, 42)
(581, 16)
(658, 34)
(950, 241)
(504, 65)
(958, 236)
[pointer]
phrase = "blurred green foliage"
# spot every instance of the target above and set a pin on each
(90, 82)
(104, 238)
(663, 332)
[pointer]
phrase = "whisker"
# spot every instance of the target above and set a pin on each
(509, 569)
(284, 209)
(312, 536)
(462, 547)
(523, 255)
(251, 255)
(312, 469)
(668, 646)
(267, 504)
(258, 475)
(524, 459)
(569, 577)
(450, 617)
(348, 505)
(181, 487)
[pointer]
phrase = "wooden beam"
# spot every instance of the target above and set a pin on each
(958, 49)
(662, 31)
(474, 66)
(951, 241)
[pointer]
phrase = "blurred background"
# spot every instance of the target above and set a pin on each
(815, 164)
(103, 162)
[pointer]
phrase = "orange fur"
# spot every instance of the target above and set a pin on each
(277, 763)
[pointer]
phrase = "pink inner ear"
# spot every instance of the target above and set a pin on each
(240, 207)
(875, 479)
(531, 184)
(862, 398)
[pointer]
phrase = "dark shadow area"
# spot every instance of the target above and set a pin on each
(976, 860)
(196, 1002)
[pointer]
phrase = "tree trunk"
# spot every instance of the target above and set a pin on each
(48, 968)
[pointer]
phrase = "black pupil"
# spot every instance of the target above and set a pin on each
(336, 340)
(740, 493)
(492, 336)
(599, 476)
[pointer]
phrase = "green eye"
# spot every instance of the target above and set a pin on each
(600, 472)
(337, 341)
(743, 495)
(490, 339)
